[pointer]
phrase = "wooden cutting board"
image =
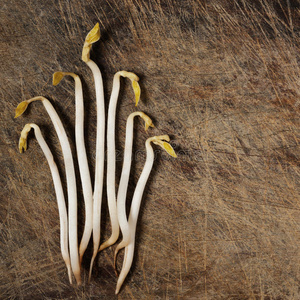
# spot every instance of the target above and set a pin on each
(221, 78)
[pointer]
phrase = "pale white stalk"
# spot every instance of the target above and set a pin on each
(111, 153)
(63, 217)
(123, 185)
(70, 174)
(82, 159)
(91, 38)
(135, 205)
(127, 262)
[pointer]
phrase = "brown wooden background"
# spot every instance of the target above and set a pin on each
(222, 220)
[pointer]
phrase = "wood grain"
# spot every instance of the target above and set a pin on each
(221, 221)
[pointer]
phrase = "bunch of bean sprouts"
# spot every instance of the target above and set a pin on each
(71, 253)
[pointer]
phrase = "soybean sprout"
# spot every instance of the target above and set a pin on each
(111, 152)
(92, 37)
(122, 191)
(70, 174)
(82, 159)
(63, 217)
(136, 202)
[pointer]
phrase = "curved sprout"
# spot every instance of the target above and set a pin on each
(92, 37)
(63, 217)
(82, 159)
(135, 85)
(123, 185)
(111, 155)
(70, 174)
(136, 202)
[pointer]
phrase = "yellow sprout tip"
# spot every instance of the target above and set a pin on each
(22, 145)
(148, 121)
(134, 80)
(21, 108)
(169, 149)
(23, 138)
(148, 124)
(161, 141)
(94, 35)
(57, 77)
(137, 91)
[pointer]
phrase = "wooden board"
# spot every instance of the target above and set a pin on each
(222, 220)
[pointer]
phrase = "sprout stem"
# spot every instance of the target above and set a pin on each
(82, 159)
(71, 180)
(135, 205)
(123, 185)
(111, 155)
(63, 217)
(91, 38)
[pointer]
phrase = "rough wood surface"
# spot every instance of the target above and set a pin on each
(221, 221)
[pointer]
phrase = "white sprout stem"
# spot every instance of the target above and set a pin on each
(61, 203)
(83, 165)
(71, 184)
(136, 203)
(100, 143)
(111, 164)
(123, 185)
(128, 258)
(83, 168)
(111, 156)
(140, 187)
(133, 216)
